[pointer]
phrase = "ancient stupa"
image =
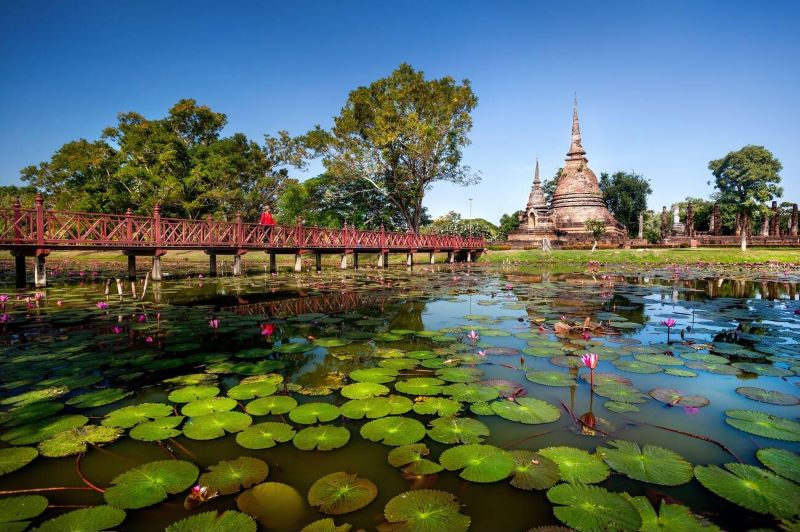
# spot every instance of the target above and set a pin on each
(577, 199)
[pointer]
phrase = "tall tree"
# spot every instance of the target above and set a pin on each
(747, 178)
(549, 186)
(399, 136)
(625, 194)
(508, 223)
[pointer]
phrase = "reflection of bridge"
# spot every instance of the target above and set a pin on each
(35, 232)
(333, 303)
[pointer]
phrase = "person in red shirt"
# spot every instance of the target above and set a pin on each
(267, 221)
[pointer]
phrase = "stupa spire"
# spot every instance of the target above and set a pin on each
(536, 180)
(536, 197)
(576, 150)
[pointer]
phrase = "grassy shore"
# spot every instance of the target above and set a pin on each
(648, 256)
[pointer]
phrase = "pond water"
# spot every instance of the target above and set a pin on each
(474, 370)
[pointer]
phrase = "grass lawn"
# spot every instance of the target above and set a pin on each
(648, 256)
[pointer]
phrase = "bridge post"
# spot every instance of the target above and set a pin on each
(131, 267)
(157, 225)
(17, 214)
(212, 265)
(355, 260)
(19, 263)
(343, 262)
(298, 262)
(39, 220)
(273, 265)
(318, 261)
(469, 255)
(129, 236)
(237, 265)
(433, 257)
(39, 271)
(155, 274)
(409, 259)
(451, 257)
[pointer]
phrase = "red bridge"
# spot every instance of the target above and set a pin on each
(36, 232)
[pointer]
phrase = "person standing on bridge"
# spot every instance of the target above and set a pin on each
(267, 221)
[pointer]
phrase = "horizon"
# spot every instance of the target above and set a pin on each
(662, 90)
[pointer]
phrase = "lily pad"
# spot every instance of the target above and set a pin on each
(762, 424)
(768, 370)
(526, 410)
(98, 398)
(373, 408)
(128, 416)
(275, 404)
(187, 394)
(437, 406)
(635, 366)
(459, 374)
(322, 438)
(669, 517)
(533, 471)
(479, 463)
(672, 397)
(377, 375)
(150, 483)
(310, 413)
(265, 435)
(457, 430)
(678, 372)
(15, 458)
(94, 519)
(363, 390)
(754, 488)
(420, 386)
(34, 396)
(551, 378)
(42, 430)
(768, 396)
(576, 465)
(659, 360)
(326, 525)
(341, 493)
(211, 405)
(332, 342)
(231, 476)
(425, 511)
(160, 429)
(783, 462)
(75, 441)
(216, 425)
(410, 457)
(275, 505)
(621, 408)
(251, 390)
(620, 393)
(293, 348)
(228, 521)
(393, 430)
(15, 512)
(592, 508)
(472, 393)
(649, 464)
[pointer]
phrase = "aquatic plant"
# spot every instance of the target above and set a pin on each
(590, 361)
(102, 305)
(669, 323)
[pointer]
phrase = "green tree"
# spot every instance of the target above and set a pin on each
(399, 136)
(508, 223)
(597, 228)
(453, 224)
(625, 194)
(10, 193)
(549, 186)
(747, 178)
(702, 212)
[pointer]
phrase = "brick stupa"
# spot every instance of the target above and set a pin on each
(577, 199)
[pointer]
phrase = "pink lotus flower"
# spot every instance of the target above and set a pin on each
(59, 302)
(38, 296)
(563, 317)
(141, 318)
(3, 298)
(267, 329)
(200, 276)
(590, 360)
(586, 336)
(509, 286)
(668, 323)
(5, 317)
(481, 353)
(541, 328)
(213, 323)
(148, 339)
(102, 305)
(116, 329)
(473, 336)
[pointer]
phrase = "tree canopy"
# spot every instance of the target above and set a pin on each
(625, 194)
(399, 136)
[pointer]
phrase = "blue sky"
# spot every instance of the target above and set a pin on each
(663, 87)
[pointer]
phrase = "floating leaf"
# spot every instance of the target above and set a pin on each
(276, 404)
(457, 430)
(326, 525)
(420, 386)
(373, 408)
(230, 476)
(251, 390)
(341, 493)
(459, 374)
(526, 410)
(480, 463)
(150, 483)
(762, 424)
(211, 405)
(411, 456)
(393, 430)
(783, 462)
(75, 441)
(15, 512)
(275, 505)
(678, 372)
(377, 375)
(651, 464)
(310, 413)
(228, 521)
(187, 394)
(128, 416)
(425, 511)
(635, 366)
(550, 378)
(322, 438)
(211, 426)
(576, 465)
(42, 430)
(34, 396)
(659, 359)
(754, 488)
(23, 415)
(98, 398)
(768, 370)
(672, 397)
(94, 519)
(533, 471)
(669, 517)
(363, 390)
(293, 349)
(265, 435)
(620, 393)
(719, 369)
(592, 508)
(332, 342)
(472, 393)
(437, 406)
(15, 458)
(768, 396)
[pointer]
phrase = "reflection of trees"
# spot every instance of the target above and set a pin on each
(409, 316)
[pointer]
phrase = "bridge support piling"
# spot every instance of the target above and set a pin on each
(409, 259)
(131, 267)
(451, 257)
(318, 260)
(298, 262)
(39, 272)
(433, 258)
(343, 262)
(469, 256)
(237, 265)
(212, 265)
(155, 274)
(355, 260)
(382, 259)
(19, 263)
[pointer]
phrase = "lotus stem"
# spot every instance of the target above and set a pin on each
(182, 448)
(167, 450)
(41, 490)
(83, 477)
(696, 436)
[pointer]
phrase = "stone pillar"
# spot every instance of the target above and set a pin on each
(775, 220)
(433, 258)
(764, 225)
(451, 257)
(318, 261)
(19, 268)
(689, 220)
(155, 274)
(131, 267)
(793, 222)
(664, 222)
(343, 262)
(469, 256)
(273, 263)
(39, 272)
(237, 265)
(640, 234)
(355, 260)
(381, 260)
(715, 227)
(409, 259)
(298, 262)
(212, 265)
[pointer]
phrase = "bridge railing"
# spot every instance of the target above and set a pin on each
(64, 229)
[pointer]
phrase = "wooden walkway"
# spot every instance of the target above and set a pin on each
(35, 232)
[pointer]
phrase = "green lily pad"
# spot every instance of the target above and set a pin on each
(322, 438)
(768, 396)
(94, 519)
(398, 363)
(393, 430)
(326, 525)
(659, 360)
(437, 406)
(160, 429)
(372, 408)
(526, 410)
(765, 425)
(533, 471)
(275, 404)
(550, 378)
(783, 462)
(635, 366)
(341, 493)
(410, 457)
(767, 370)
(150, 483)
(15, 512)
(332, 342)
(228, 521)
(23, 415)
(363, 390)
(620, 393)
(187, 394)
(459, 374)
(669, 517)
(75, 441)
(98, 398)
(15, 458)
(202, 407)
(35, 396)
(216, 425)
(275, 505)
(231, 476)
(649, 464)
(672, 397)
(754, 488)
(472, 393)
(293, 348)
(420, 386)
(479, 463)
(310, 413)
(251, 390)
(593, 508)
(714, 367)
(678, 372)
(400, 404)
(377, 375)
(265, 435)
(620, 408)
(42, 430)
(576, 465)
(457, 430)
(425, 511)
(128, 416)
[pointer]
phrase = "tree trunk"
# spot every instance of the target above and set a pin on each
(594, 245)
(745, 224)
